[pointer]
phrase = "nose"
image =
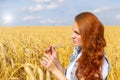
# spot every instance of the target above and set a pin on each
(73, 36)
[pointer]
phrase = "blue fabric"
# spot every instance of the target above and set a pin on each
(75, 53)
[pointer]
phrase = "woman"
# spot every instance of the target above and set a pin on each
(88, 61)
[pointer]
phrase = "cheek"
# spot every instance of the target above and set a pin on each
(79, 39)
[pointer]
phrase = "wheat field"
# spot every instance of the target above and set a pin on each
(22, 47)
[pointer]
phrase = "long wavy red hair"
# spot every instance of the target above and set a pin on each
(93, 43)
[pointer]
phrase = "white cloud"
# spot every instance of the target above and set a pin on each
(37, 7)
(118, 17)
(52, 6)
(40, 7)
(29, 18)
(99, 10)
(42, 1)
(50, 21)
(47, 21)
(43, 21)
(60, 0)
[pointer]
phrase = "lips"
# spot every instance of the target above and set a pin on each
(74, 41)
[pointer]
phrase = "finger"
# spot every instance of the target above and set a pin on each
(48, 50)
(54, 51)
(47, 56)
(53, 48)
(52, 58)
(43, 63)
(44, 59)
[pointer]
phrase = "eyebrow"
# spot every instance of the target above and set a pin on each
(76, 32)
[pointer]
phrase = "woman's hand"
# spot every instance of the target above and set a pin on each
(51, 62)
(51, 51)
(50, 59)
(47, 62)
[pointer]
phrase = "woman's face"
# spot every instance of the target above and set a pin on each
(76, 36)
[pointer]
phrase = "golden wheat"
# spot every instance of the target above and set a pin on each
(22, 47)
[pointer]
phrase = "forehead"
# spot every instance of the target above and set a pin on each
(75, 27)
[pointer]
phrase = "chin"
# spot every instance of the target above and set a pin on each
(76, 45)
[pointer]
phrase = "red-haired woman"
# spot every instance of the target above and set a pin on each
(88, 61)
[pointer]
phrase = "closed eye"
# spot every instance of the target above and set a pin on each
(77, 32)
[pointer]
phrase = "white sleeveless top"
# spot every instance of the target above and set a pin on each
(70, 71)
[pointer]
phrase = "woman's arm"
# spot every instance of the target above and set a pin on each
(47, 62)
(59, 74)
(51, 62)
(59, 65)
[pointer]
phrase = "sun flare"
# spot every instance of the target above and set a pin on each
(7, 19)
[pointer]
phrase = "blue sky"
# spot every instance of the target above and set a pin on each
(56, 12)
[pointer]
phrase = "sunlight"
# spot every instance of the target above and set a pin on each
(7, 19)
